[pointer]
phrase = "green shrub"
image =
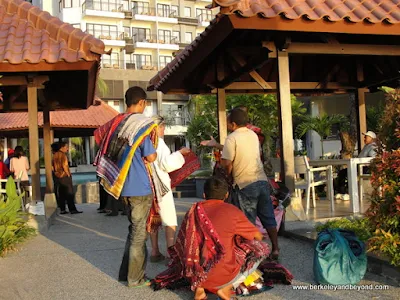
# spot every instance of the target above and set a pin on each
(13, 228)
(361, 227)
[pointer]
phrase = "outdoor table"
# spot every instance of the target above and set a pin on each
(351, 175)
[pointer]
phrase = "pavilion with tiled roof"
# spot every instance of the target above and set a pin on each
(287, 46)
(45, 64)
(64, 123)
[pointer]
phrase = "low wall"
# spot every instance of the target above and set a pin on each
(87, 193)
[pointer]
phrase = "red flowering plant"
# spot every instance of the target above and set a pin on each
(384, 211)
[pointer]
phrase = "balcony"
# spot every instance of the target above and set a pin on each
(151, 41)
(102, 9)
(154, 15)
(112, 64)
(109, 38)
(205, 19)
(145, 66)
(188, 21)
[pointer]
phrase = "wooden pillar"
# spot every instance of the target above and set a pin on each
(87, 150)
(159, 103)
(362, 113)
(5, 149)
(285, 113)
(47, 140)
(221, 104)
(34, 142)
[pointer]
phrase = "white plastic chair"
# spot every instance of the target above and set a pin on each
(308, 183)
(361, 177)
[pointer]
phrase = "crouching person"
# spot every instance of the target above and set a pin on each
(216, 249)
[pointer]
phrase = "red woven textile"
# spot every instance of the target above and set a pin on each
(192, 164)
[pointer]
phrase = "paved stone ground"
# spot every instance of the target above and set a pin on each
(79, 257)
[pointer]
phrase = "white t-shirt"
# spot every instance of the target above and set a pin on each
(242, 147)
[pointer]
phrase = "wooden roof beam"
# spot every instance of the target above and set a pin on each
(293, 86)
(337, 49)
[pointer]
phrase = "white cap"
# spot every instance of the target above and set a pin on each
(371, 134)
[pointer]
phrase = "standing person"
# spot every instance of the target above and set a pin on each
(64, 180)
(124, 163)
(4, 171)
(166, 162)
(10, 155)
(19, 165)
(54, 148)
(241, 158)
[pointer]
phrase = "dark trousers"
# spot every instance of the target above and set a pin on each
(103, 197)
(135, 256)
(66, 194)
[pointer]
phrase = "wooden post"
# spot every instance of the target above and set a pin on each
(285, 112)
(34, 142)
(362, 114)
(5, 149)
(47, 149)
(221, 104)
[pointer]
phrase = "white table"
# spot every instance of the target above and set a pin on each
(351, 175)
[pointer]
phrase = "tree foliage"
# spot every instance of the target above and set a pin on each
(263, 112)
(320, 124)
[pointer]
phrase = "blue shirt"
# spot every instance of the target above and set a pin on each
(137, 182)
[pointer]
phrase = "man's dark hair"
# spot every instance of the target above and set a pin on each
(238, 116)
(215, 188)
(133, 95)
(55, 147)
(61, 144)
(242, 107)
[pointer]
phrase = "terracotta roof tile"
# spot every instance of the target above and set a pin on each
(370, 11)
(93, 117)
(373, 11)
(28, 34)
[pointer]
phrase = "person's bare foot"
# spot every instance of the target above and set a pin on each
(200, 294)
(225, 293)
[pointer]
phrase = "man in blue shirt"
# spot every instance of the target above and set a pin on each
(138, 195)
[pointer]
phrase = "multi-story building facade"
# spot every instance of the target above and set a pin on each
(143, 37)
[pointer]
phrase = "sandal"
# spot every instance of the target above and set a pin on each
(157, 258)
(142, 283)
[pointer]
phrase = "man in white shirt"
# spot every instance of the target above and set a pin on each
(241, 158)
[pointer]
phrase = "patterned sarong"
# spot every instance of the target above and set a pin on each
(198, 250)
(192, 164)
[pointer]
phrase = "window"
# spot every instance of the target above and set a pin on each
(111, 61)
(127, 32)
(107, 32)
(188, 12)
(103, 5)
(174, 10)
(138, 61)
(141, 34)
(188, 37)
(125, 5)
(164, 36)
(163, 10)
(176, 36)
(164, 60)
(204, 15)
(141, 8)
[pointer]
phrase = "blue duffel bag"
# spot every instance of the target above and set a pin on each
(339, 258)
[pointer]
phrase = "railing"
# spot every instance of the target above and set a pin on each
(205, 17)
(176, 117)
(141, 66)
(112, 64)
(152, 11)
(102, 6)
(152, 38)
(106, 35)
